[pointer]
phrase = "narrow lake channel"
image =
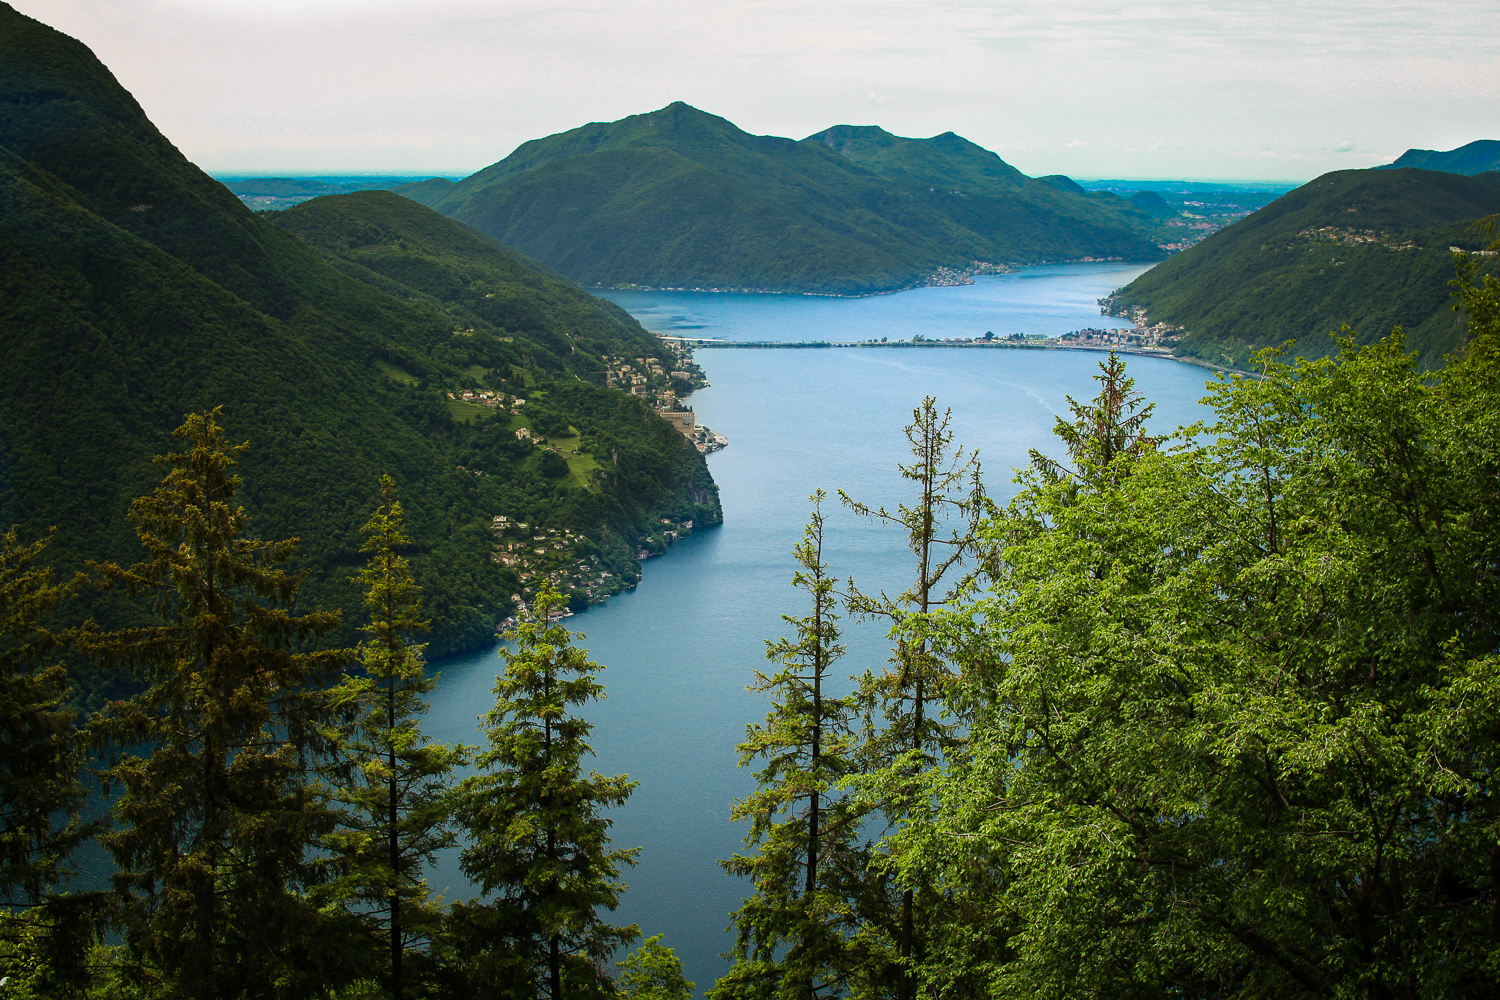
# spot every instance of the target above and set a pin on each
(679, 650)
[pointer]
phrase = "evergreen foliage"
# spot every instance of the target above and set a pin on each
(1112, 426)
(796, 935)
(41, 756)
(537, 840)
(398, 807)
(216, 810)
(941, 531)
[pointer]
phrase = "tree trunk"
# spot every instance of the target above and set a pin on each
(393, 843)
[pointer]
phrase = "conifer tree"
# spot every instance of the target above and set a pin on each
(1112, 426)
(942, 532)
(216, 809)
(792, 934)
(537, 839)
(41, 754)
(400, 801)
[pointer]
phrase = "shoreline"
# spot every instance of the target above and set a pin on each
(1008, 269)
(763, 345)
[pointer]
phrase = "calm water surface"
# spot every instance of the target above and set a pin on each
(680, 649)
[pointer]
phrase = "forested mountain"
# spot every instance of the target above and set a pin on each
(1477, 157)
(136, 289)
(1369, 248)
(679, 197)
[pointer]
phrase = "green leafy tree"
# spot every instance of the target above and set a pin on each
(216, 811)
(793, 936)
(941, 531)
(41, 756)
(653, 972)
(1239, 723)
(536, 836)
(400, 803)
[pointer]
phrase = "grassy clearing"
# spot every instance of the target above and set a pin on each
(395, 372)
(465, 411)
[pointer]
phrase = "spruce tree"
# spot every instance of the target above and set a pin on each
(41, 755)
(399, 804)
(941, 529)
(1112, 426)
(216, 809)
(792, 934)
(537, 839)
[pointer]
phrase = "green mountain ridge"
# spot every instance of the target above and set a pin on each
(1369, 248)
(136, 288)
(680, 197)
(1476, 157)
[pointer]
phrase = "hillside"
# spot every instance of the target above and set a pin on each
(1477, 157)
(270, 193)
(679, 197)
(1369, 248)
(134, 288)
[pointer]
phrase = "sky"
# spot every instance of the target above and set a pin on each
(1228, 89)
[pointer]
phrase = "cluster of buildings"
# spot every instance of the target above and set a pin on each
(1345, 236)
(1157, 335)
(486, 397)
(650, 379)
(548, 554)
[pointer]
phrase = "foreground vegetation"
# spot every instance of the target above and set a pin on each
(1211, 715)
(1218, 712)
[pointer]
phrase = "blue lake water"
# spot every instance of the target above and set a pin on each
(679, 650)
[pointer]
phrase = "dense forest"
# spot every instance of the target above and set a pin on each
(682, 198)
(1208, 715)
(1366, 248)
(340, 336)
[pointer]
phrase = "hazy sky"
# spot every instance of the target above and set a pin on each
(1090, 88)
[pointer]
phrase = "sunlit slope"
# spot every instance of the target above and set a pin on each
(1369, 248)
(679, 197)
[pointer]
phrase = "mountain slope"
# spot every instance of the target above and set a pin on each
(133, 289)
(1475, 158)
(415, 253)
(1365, 247)
(681, 197)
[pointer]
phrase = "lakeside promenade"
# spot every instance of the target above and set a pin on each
(1035, 345)
(988, 345)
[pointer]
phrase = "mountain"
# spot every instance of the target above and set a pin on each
(417, 254)
(679, 197)
(262, 193)
(134, 289)
(1369, 248)
(1475, 158)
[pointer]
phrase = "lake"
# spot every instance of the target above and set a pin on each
(679, 650)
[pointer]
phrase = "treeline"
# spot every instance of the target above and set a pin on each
(272, 802)
(1212, 715)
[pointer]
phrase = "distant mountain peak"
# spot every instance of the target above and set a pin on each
(1478, 157)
